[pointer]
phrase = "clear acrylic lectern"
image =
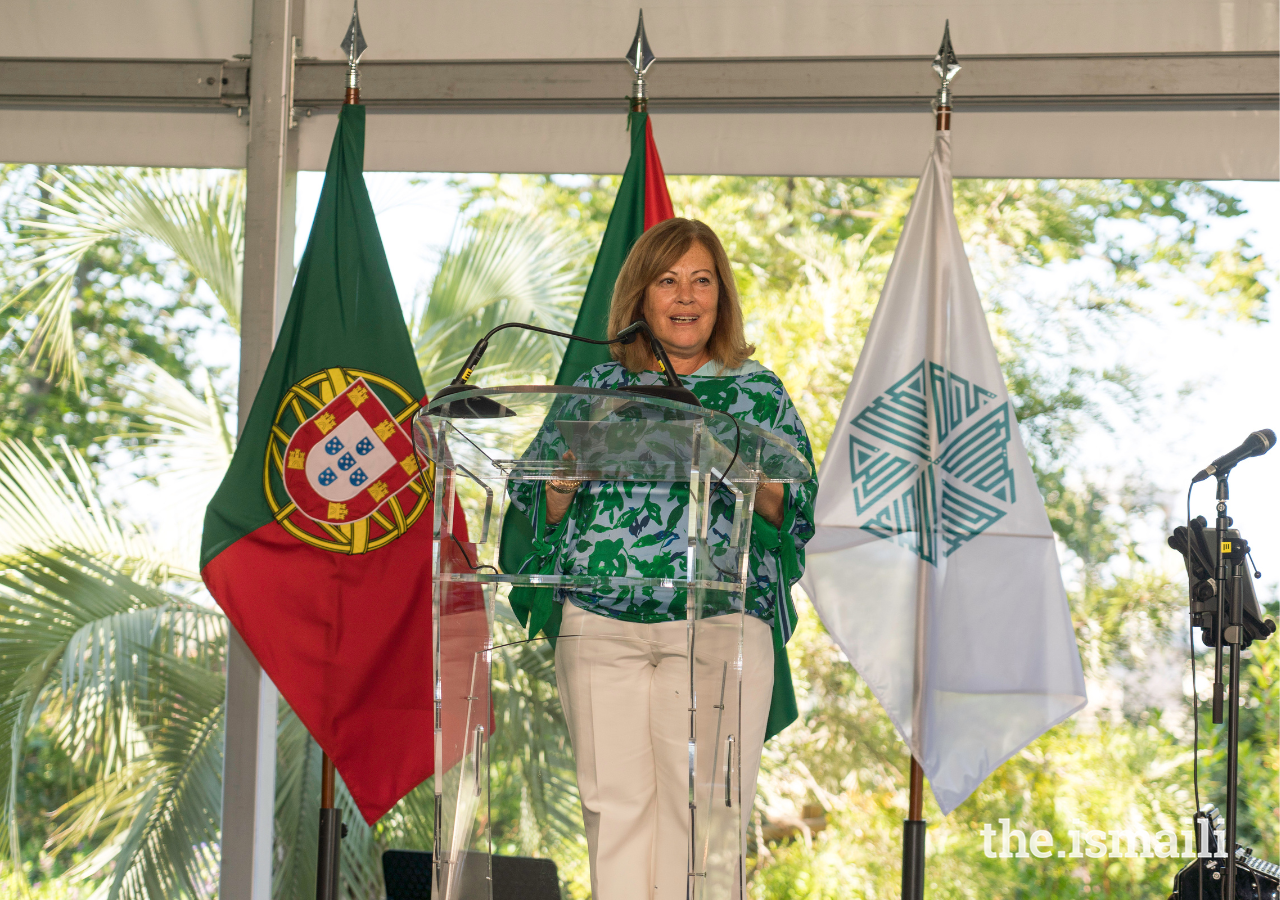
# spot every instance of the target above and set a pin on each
(476, 444)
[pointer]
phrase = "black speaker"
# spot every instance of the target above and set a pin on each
(407, 874)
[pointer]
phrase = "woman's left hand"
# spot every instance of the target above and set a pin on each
(769, 502)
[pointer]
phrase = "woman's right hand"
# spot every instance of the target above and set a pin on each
(560, 493)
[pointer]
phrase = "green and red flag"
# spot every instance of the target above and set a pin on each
(641, 203)
(318, 542)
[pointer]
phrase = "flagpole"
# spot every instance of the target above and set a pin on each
(354, 45)
(913, 837)
(641, 57)
(332, 831)
(946, 66)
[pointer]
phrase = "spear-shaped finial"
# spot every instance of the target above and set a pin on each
(946, 66)
(641, 57)
(354, 46)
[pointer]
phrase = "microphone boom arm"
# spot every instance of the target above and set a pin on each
(673, 390)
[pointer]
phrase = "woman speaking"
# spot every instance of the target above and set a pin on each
(624, 684)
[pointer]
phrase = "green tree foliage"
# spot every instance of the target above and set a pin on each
(1259, 745)
(47, 776)
(80, 303)
(810, 256)
(499, 267)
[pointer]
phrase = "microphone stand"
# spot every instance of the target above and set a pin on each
(1230, 573)
(1224, 608)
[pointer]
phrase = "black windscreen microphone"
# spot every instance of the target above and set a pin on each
(1255, 444)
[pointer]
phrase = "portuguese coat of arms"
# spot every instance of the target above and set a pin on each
(349, 458)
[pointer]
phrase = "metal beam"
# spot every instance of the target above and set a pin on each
(887, 84)
(147, 83)
(1079, 83)
(1204, 145)
(248, 782)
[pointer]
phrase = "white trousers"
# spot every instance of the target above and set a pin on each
(624, 687)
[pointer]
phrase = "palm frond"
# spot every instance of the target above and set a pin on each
(361, 853)
(162, 812)
(297, 822)
(199, 218)
(187, 449)
(175, 849)
(297, 817)
(189, 432)
(103, 814)
(534, 787)
(46, 504)
(16, 715)
(66, 611)
(501, 268)
(411, 823)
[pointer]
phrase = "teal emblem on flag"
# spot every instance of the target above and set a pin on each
(896, 490)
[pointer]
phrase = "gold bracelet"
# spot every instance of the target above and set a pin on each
(573, 486)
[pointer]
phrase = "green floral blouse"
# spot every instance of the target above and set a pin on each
(639, 529)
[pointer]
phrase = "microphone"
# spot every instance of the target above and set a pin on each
(485, 408)
(628, 334)
(674, 389)
(1255, 444)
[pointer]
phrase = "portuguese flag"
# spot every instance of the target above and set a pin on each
(642, 202)
(318, 542)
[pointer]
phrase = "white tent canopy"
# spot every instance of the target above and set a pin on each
(1110, 88)
(1049, 88)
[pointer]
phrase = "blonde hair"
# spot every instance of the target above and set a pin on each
(657, 250)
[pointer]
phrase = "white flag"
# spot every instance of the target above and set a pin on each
(934, 567)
